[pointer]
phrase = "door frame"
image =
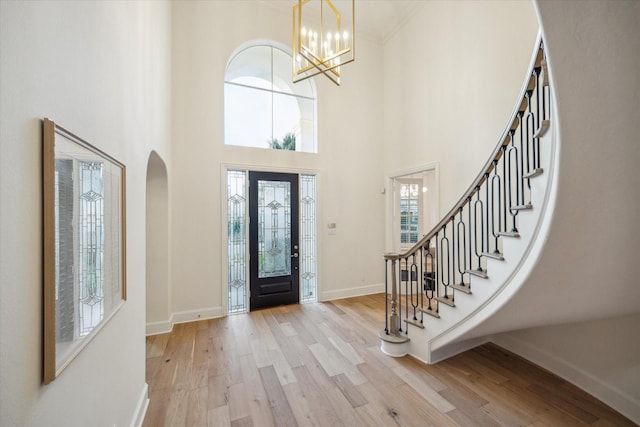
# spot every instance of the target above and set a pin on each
(390, 221)
(224, 262)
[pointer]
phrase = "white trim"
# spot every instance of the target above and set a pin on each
(141, 407)
(618, 400)
(390, 244)
(351, 292)
(195, 315)
(155, 328)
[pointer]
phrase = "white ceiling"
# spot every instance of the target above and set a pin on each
(375, 19)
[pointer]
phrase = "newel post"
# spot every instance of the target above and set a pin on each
(392, 341)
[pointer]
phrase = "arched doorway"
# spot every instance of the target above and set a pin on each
(157, 247)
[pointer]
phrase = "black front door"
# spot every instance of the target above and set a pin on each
(273, 239)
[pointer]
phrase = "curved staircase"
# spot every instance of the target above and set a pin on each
(442, 290)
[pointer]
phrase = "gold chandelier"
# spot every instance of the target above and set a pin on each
(322, 41)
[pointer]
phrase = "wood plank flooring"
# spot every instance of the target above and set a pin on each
(320, 365)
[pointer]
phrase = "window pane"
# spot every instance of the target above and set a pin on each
(286, 117)
(252, 62)
(247, 115)
(307, 125)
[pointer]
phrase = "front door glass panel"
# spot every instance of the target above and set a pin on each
(274, 228)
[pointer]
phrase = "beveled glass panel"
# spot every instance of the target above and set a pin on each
(236, 241)
(274, 228)
(308, 274)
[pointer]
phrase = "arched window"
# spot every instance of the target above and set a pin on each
(263, 107)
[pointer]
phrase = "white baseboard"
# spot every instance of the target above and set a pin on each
(141, 407)
(613, 397)
(352, 292)
(194, 315)
(155, 328)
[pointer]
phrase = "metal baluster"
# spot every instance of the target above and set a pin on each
(479, 203)
(471, 228)
(486, 199)
(512, 150)
(420, 274)
(504, 186)
(429, 276)
(405, 271)
(496, 178)
(462, 267)
(536, 73)
(414, 285)
(522, 156)
(453, 249)
(445, 240)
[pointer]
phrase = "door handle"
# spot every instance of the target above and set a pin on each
(294, 255)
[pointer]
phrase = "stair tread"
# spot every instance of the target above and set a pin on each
(494, 255)
(526, 207)
(478, 273)
(462, 287)
(448, 300)
(542, 130)
(431, 312)
(545, 73)
(414, 323)
(533, 173)
(508, 234)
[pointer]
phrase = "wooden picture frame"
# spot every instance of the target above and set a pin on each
(84, 244)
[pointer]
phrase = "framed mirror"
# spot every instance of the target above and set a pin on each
(84, 244)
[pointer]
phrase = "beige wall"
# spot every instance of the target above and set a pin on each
(100, 69)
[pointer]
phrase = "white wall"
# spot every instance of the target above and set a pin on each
(452, 76)
(348, 161)
(100, 69)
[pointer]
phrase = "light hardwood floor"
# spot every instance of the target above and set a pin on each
(320, 365)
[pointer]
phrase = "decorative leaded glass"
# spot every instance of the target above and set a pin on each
(236, 238)
(308, 275)
(90, 246)
(274, 228)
